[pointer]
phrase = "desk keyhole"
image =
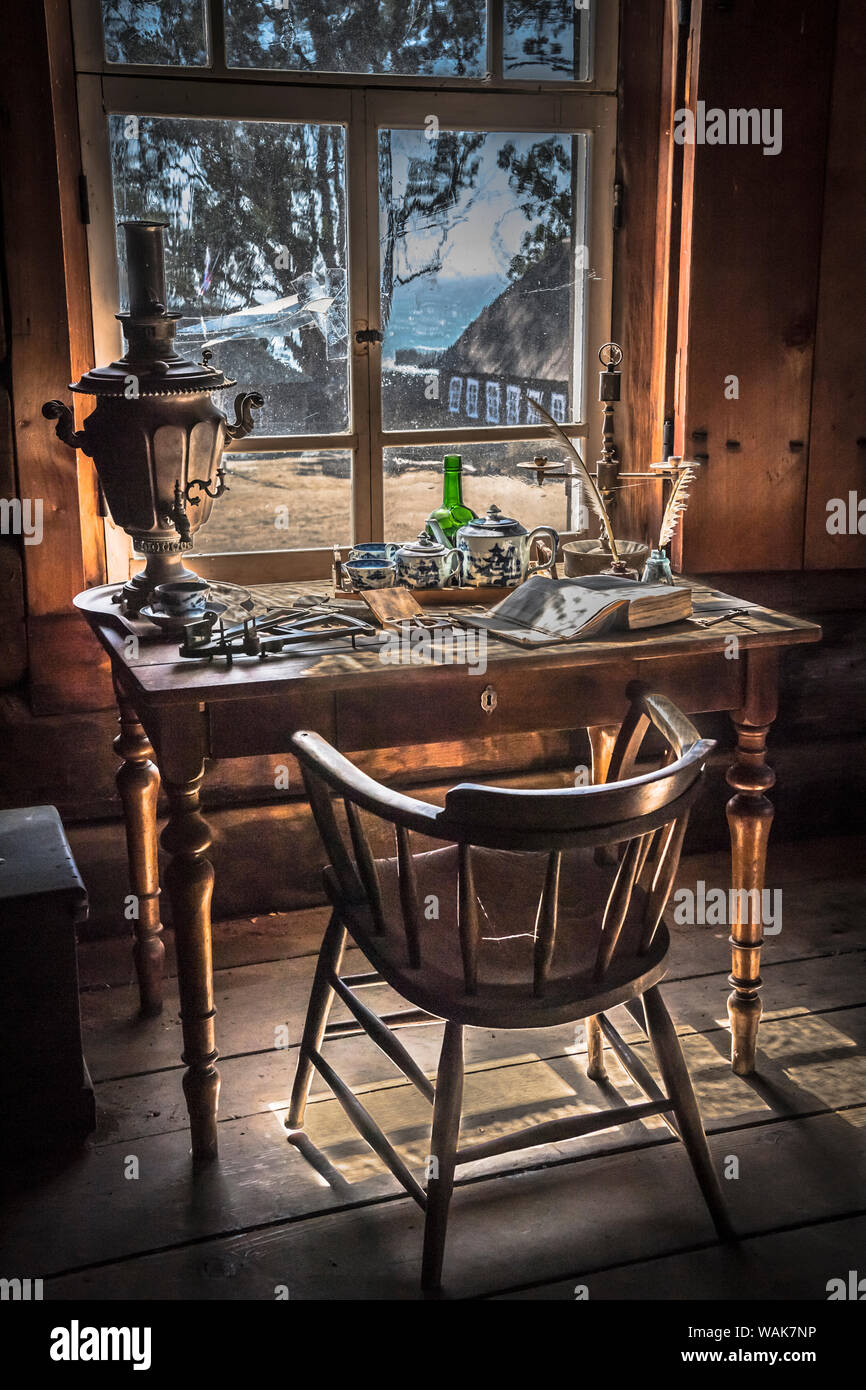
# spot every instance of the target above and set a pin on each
(488, 699)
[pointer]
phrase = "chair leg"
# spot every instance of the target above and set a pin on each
(318, 1009)
(443, 1147)
(678, 1085)
(595, 1068)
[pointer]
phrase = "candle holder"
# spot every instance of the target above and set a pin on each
(156, 436)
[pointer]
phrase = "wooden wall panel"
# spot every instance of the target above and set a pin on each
(13, 635)
(51, 341)
(75, 258)
(641, 256)
(837, 446)
(749, 281)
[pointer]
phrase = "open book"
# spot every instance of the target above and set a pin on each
(543, 611)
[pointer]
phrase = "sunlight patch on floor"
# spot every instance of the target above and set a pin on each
(832, 1081)
(496, 1101)
(811, 1035)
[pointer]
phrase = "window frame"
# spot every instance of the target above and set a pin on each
(90, 57)
(362, 104)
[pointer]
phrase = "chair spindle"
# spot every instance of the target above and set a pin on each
(326, 821)
(409, 902)
(545, 938)
(469, 924)
(663, 880)
(617, 905)
(366, 865)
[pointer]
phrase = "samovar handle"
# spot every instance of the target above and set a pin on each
(65, 427)
(245, 403)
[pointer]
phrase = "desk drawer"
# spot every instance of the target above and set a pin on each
(244, 728)
(443, 704)
(436, 706)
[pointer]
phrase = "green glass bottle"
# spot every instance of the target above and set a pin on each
(453, 513)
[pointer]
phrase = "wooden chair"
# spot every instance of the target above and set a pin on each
(550, 910)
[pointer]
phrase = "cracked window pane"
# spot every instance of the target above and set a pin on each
(483, 265)
(158, 32)
(418, 37)
(255, 253)
(547, 41)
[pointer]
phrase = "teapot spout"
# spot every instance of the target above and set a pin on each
(438, 534)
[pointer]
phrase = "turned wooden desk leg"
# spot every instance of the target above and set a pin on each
(750, 815)
(602, 738)
(138, 786)
(189, 883)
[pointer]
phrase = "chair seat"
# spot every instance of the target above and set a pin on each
(508, 887)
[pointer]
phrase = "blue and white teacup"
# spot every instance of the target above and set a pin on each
(370, 573)
(382, 551)
(182, 598)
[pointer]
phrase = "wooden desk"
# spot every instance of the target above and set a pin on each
(175, 713)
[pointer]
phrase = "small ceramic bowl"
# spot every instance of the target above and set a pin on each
(370, 573)
(182, 596)
(590, 557)
(381, 551)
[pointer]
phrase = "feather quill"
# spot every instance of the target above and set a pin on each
(677, 503)
(590, 486)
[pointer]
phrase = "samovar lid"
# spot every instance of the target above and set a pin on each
(166, 375)
(150, 366)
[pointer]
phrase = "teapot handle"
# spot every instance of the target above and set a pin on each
(455, 560)
(551, 563)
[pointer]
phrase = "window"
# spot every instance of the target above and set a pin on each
(547, 41)
(250, 204)
(440, 189)
(427, 38)
(162, 32)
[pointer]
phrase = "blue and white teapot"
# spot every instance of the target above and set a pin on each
(495, 550)
(425, 563)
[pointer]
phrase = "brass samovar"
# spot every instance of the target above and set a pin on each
(156, 436)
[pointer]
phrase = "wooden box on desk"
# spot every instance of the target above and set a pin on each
(46, 1096)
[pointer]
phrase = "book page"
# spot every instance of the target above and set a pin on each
(563, 607)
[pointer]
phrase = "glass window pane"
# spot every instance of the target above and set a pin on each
(255, 253)
(547, 40)
(413, 485)
(293, 501)
(482, 276)
(159, 32)
(423, 37)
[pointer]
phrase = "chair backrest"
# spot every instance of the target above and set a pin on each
(636, 824)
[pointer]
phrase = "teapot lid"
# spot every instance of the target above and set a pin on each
(494, 524)
(425, 545)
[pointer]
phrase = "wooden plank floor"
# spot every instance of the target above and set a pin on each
(617, 1212)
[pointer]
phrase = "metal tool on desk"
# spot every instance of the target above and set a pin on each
(396, 607)
(730, 615)
(271, 633)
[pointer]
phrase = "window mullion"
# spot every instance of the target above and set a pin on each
(361, 356)
(495, 31)
(373, 351)
(216, 38)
